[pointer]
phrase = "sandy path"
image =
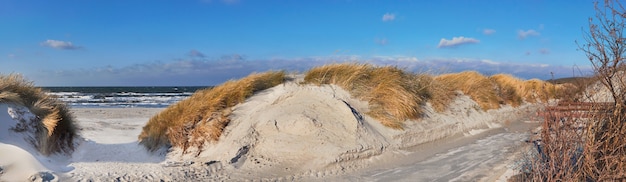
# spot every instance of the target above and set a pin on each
(110, 149)
(481, 157)
(112, 125)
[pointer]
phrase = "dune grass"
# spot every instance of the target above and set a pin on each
(508, 89)
(56, 130)
(393, 94)
(501, 89)
(202, 117)
(439, 95)
(477, 86)
(535, 90)
(538, 91)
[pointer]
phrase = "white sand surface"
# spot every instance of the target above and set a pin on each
(110, 149)
(19, 160)
(307, 132)
(296, 132)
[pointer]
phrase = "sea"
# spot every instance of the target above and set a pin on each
(122, 97)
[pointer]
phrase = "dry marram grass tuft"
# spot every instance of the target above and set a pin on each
(439, 95)
(508, 88)
(56, 130)
(393, 95)
(535, 90)
(479, 87)
(491, 92)
(202, 117)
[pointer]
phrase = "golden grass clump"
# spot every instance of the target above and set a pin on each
(55, 132)
(202, 117)
(535, 90)
(569, 91)
(393, 95)
(439, 95)
(508, 88)
(479, 87)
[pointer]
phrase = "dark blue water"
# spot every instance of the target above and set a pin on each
(121, 97)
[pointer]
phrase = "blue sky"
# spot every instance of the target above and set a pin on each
(206, 42)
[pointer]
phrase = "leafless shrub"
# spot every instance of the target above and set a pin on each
(588, 142)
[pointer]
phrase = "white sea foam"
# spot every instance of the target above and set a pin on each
(120, 99)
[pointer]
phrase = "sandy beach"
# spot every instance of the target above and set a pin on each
(294, 132)
(239, 90)
(302, 133)
(110, 152)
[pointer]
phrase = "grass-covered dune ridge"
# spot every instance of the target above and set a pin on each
(508, 89)
(479, 87)
(202, 117)
(490, 92)
(535, 90)
(393, 94)
(56, 130)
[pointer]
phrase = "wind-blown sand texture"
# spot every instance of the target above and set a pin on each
(288, 132)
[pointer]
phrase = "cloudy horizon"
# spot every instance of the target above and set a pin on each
(206, 42)
(203, 71)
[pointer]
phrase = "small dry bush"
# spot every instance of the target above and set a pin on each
(600, 151)
(588, 144)
(558, 154)
(479, 87)
(56, 130)
(605, 146)
(202, 117)
(393, 94)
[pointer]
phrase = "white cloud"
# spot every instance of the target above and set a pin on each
(521, 34)
(456, 41)
(489, 31)
(487, 61)
(389, 17)
(57, 44)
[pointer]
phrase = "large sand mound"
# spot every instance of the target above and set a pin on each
(294, 130)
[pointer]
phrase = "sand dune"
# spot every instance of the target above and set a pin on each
(287, 132)
(297, 131)
(19, 159)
